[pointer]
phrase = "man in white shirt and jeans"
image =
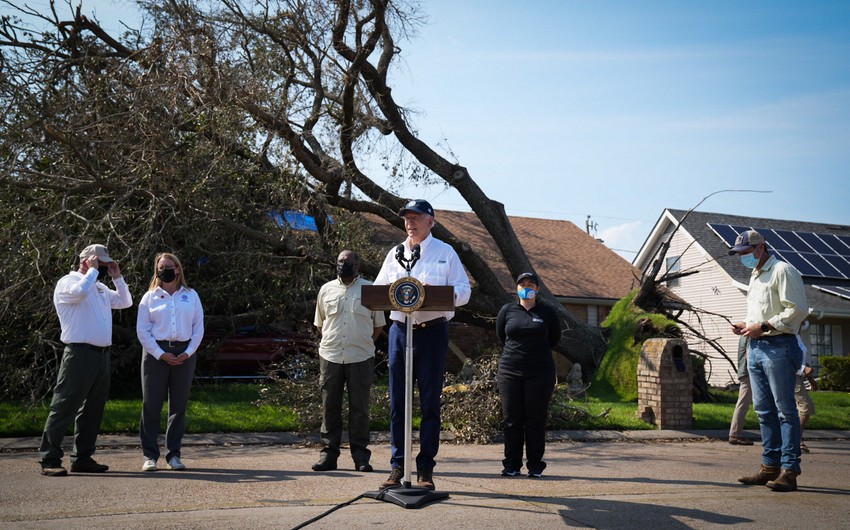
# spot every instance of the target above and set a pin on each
(776, 307)
(84, 306)
(439, 264)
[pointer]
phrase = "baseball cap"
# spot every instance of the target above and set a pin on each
(530, 275)
(745, 240)
(100, 251)
(417, 205)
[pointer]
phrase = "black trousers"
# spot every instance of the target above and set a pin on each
(525, 407)
(334, 379)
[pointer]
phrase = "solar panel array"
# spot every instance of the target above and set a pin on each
(814, 255)
(837, 290)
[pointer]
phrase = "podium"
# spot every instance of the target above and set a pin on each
(408, 295)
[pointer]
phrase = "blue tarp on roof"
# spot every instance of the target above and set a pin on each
(296, 220)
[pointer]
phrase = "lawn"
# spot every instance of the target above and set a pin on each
(232, 407)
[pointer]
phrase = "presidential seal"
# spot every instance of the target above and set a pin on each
(407, 294)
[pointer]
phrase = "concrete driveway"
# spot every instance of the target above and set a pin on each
(685, 480)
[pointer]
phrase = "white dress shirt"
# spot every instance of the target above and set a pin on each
(85, 305)
(438, 264)
(178, 317)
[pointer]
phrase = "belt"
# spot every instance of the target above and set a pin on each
(173, 343)
(92, 347)
(423, 325)
(768, 337)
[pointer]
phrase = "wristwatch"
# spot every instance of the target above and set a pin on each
(764, 327)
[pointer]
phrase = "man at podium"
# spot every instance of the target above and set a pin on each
(438, 264)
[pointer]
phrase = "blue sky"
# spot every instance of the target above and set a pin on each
(619, 109)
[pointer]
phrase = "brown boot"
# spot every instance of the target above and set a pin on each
(787, 481)
(394, 480)
(425, 479)
(764, 475)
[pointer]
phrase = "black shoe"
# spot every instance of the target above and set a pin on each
(325, 465)
(365, 468)
(88, 466)
(53, 470)
(510, 472)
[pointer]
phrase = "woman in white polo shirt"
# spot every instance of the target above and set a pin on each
(170, 326)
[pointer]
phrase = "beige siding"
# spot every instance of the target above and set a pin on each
(711, 290)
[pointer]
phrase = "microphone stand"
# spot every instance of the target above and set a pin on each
(407, 495)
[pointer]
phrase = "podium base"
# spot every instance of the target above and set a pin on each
(411, 497)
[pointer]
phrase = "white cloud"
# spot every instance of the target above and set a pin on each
(625, 239)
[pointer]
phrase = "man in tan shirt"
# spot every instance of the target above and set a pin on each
(776, 307)
(346, 358)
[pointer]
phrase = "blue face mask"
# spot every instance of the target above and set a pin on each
(749, 261)
(526, 293)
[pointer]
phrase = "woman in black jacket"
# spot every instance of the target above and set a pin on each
(528, 330)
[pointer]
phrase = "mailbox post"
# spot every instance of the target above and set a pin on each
(665, 384)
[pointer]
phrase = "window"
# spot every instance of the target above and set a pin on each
(673, 266)
(593, 315)
(820, 338)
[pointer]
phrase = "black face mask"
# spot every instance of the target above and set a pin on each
(345, 270)
(166, 275)
(102, 271)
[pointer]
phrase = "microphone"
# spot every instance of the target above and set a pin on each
(414, 256)
(399, 255)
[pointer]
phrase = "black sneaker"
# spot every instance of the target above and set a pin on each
(88, 466)
(325, 465)
(365, 468)
(535, 474)
(510, 472)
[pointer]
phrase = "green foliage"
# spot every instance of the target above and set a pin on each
(235, 408)
(628, 327)
(835, 374)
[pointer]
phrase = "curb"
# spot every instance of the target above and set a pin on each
(26, 444)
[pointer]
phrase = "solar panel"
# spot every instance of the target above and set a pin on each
(816, 243)
(801, 264)
(813, 254)
(838, 290)
(726, 233)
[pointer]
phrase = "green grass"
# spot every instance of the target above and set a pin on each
(212, 408)
(231, 407)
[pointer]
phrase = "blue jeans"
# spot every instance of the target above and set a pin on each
(430, 347)
(773, 364)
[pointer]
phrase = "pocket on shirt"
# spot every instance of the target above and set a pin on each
(435, 274)
(360, 309)
(334, 306)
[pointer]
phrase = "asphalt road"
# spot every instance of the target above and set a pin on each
(651, 480)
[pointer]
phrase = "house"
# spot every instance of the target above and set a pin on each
(587, 277)
(821, 252)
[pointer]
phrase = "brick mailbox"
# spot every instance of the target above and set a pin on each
(665, 384)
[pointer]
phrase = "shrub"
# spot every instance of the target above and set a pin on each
(836, 373)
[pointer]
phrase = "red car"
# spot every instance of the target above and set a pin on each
(252, 350)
